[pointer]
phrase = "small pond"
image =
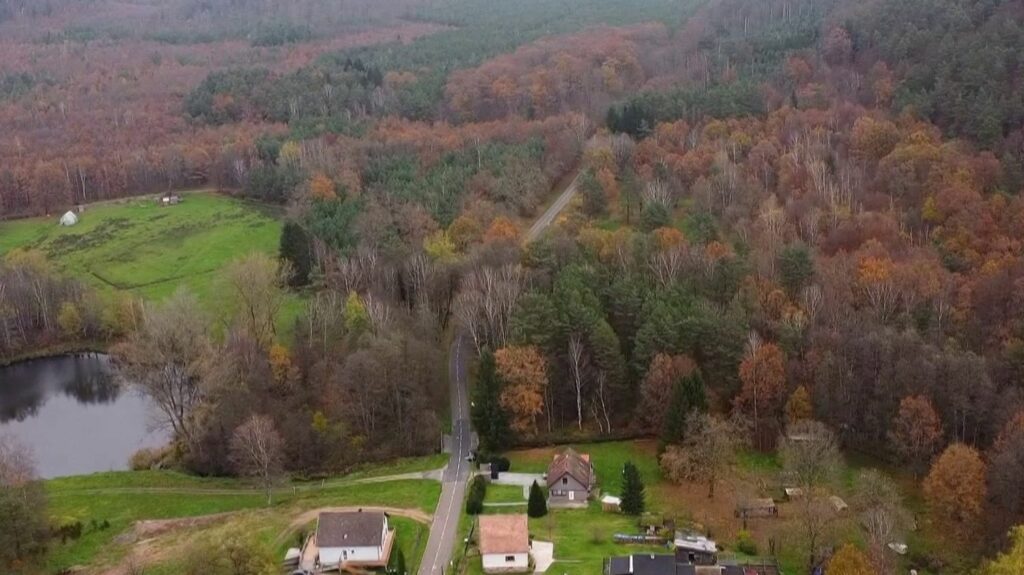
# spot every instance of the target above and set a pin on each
(74, 416)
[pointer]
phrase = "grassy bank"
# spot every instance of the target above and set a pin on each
(119, 499)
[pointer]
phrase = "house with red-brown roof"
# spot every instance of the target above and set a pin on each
(571, 479)
(505, 543)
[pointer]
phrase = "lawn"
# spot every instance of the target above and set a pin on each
(608, 460)
(575, 533)
(140, 246)
(582, 538)
(504, 494)
(121, 498)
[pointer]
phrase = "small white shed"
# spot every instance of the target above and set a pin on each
(69, 219)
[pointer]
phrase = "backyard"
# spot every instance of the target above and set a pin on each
(583, 537)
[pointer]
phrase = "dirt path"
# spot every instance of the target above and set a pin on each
(433, 474)
(307, 516)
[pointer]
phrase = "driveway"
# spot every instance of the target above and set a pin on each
(543, 555)
(524, 480)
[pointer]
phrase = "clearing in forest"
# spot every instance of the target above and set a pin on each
(141, 246)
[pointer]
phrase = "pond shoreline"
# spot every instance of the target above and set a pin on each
(76, 414)
(57, 350)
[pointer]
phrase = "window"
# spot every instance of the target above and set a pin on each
(565, 481)
(510, 558)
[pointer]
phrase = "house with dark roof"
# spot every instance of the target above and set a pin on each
(647, 564)
(571, 479)
(353, 539)
(504, 543)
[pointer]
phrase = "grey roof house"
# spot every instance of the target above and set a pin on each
(570, 479)
(350, 539)
(647, 564)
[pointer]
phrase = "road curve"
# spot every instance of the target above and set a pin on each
(552, 212)
(445, 527)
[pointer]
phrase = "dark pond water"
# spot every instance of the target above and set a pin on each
(73, 414)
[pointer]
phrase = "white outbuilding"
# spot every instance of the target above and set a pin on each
(504, 543)
(69, 219)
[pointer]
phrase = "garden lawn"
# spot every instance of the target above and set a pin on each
(505, 494)
(608, 458)
(140, 246)
(582, 538)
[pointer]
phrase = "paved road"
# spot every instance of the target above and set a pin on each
(445, 528)
(552, 212)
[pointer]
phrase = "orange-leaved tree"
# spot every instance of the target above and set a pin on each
(526, 379)
(955, 486)
(916, 432)
(849, 561)
(763, 372)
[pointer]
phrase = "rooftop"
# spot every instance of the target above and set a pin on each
(576, 465)
(648, 564)
(351, 529)
(504, 534)
(695, 542)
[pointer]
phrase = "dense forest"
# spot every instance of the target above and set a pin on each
(788, 210)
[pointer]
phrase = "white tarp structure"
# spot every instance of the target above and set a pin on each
(69, 219)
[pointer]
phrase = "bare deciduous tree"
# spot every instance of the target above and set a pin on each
(811, 461)
(164, 358)
(257, 450)
(577, 365)
(256, 291)
(708, 450)
(24, 528)
(880, 505)
(485, 305)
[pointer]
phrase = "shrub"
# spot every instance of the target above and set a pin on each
(745, 543)
(147, 458)
(477, 493)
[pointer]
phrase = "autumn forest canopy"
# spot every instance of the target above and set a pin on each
(788, 213)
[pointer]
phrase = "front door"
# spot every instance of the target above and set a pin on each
(572, 495)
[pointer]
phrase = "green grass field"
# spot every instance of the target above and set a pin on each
(122, 498)
(505, 494)
(583, 537)
(139, 246)
(608, 458)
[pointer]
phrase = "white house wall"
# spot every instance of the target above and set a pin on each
(496, 563)
(333, 555)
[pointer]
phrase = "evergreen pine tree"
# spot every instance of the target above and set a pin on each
(536, 507)
(489, 418)
(632, 490)
(687, 395)
(296, 249)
